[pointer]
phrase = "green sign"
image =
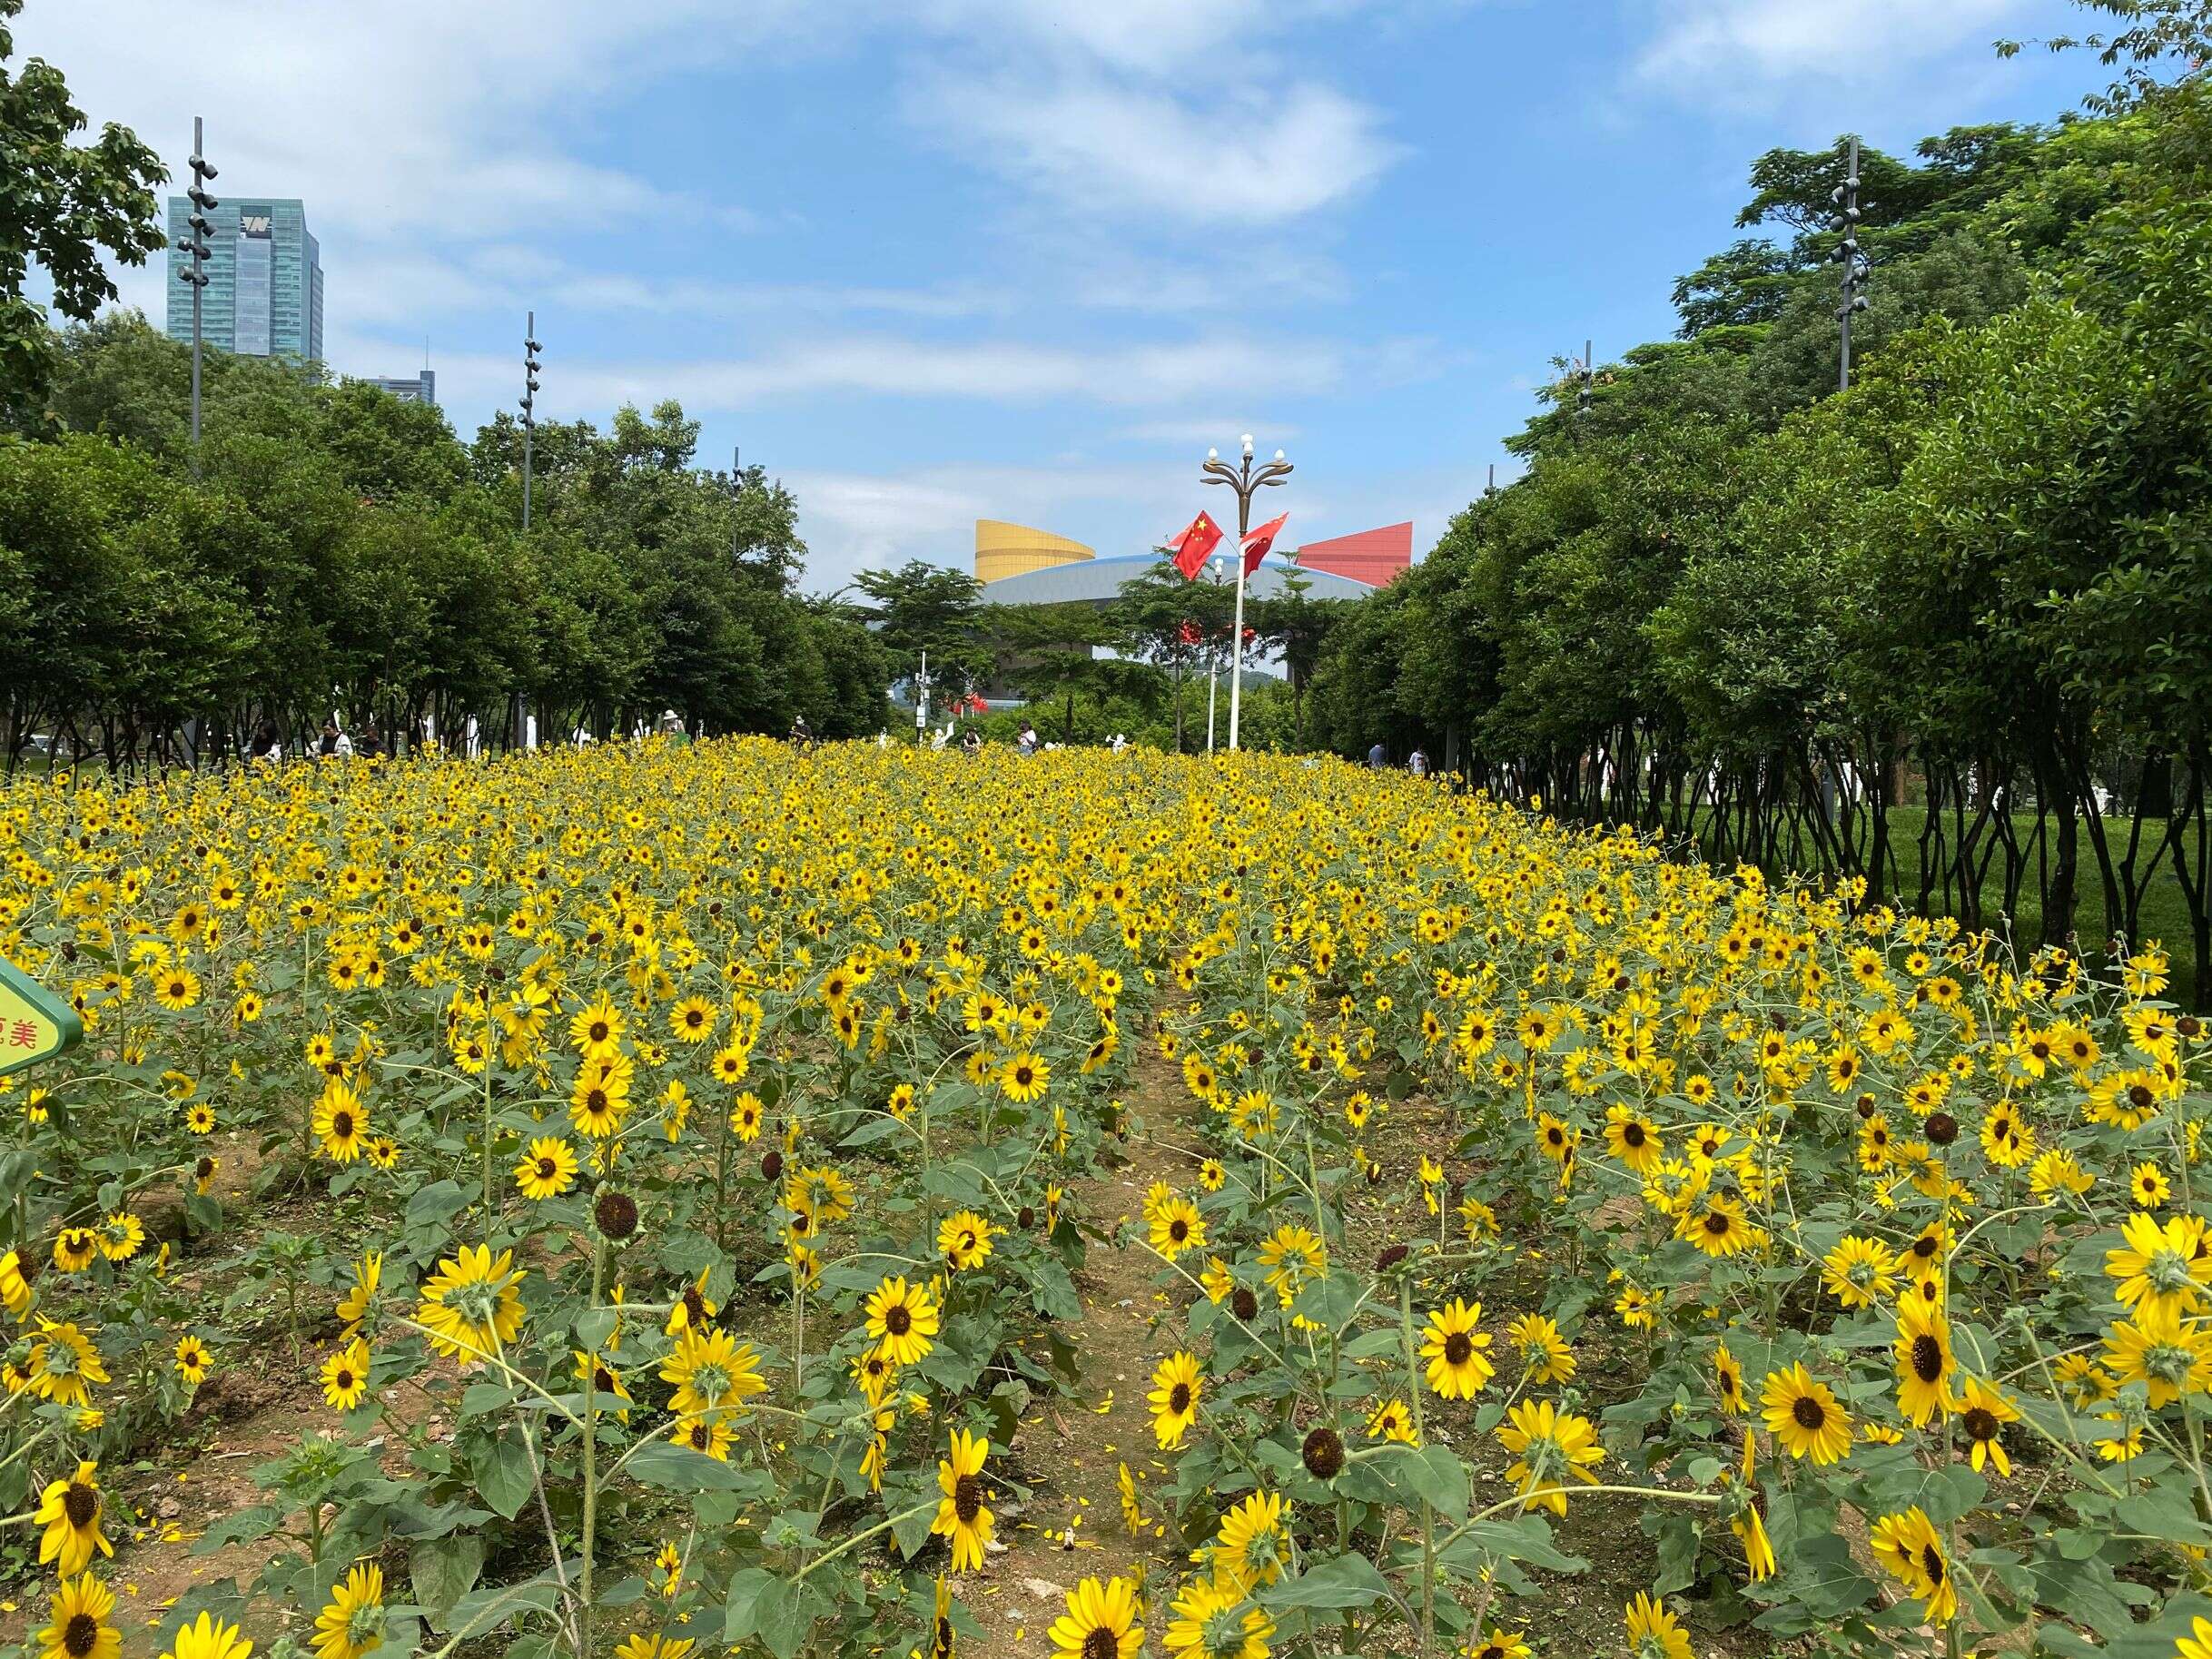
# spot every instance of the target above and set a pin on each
(34, 1023)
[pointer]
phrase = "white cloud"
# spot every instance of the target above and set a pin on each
(1247, 157)
(1746, 47)
(1154, 374)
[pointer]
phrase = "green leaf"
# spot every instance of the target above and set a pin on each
(1348, 1581)
(679, 1468)
(593, 1326)
(436, 1204)
(873, 1130)
(502, 1470)
(443, 1570)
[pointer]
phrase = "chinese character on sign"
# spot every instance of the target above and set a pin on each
(22, 1034)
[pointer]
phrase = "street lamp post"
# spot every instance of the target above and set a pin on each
(201, 205)
(1245, 480)
(530, 366)
(1845, 197)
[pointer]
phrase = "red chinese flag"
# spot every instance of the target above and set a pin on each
(1258, 542)
(1190, 549)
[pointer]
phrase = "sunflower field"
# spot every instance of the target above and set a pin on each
(668, 1201)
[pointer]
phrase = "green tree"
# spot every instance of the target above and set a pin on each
(63, 207)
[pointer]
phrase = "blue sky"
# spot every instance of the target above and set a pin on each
(932, 259)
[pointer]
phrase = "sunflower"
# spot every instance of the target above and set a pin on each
(1253, 1544)
(603, 1379)
(1392, 1421)
(200, 1117)
(340, 1121)
(76, 1249)
(207, 1637)
(1720, 1230)
(2170, 1357)
(1547, 1443)
(1748, 1521)
(64, 1365)
(746, 1113)
(1728, 1381)
(1025, 1077)
(176, 989)
(1923, 1361)
(1544, 1354)
(963, 1511)
(354, 1306)
(547, 1170)
(964, 1240)
(901, 1321)
(652, 1644)
(1860, 1271)
(1212, 1175)
(1922, 1260)
(709, 1436)
(192, 1360)
(1217, 1280)
(2162, 1267)
(15, 1289)
(1500, 1644)
(693, 1020)
(470, 1304)
(345, 1375)
(1458, 1367)
(596, 1030)
(1100, 1622)
(1207, 1623)
(1177, 1227)
(712, 1373)
(1174, 1399)
(1653, 1633)
(1983, 1413)
(80, 1629)
(1291, 1254)
(1802, 1415)
(1633, 1139)
(71, 1511)
(1910, 1550)
(601, 1096)
(352, 1622)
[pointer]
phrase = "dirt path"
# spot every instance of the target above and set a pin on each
(1071, 1452)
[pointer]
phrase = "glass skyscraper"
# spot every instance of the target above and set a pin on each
(264, 279)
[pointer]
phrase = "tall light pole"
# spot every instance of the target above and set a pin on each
(1245, 480)
(1845, 196)
(530, 366)
(201, 205)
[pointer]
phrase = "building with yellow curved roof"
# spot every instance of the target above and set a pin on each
(1003, 549)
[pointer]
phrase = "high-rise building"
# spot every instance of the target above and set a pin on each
(264, 279)
(421, 388)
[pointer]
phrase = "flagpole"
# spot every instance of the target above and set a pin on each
(1213, 672)
(1244, 480)
(1235, 632)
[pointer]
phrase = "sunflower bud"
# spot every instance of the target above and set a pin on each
(615, 1214)
(1323, 1453)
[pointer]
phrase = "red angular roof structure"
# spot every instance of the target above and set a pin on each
(1372, 557)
